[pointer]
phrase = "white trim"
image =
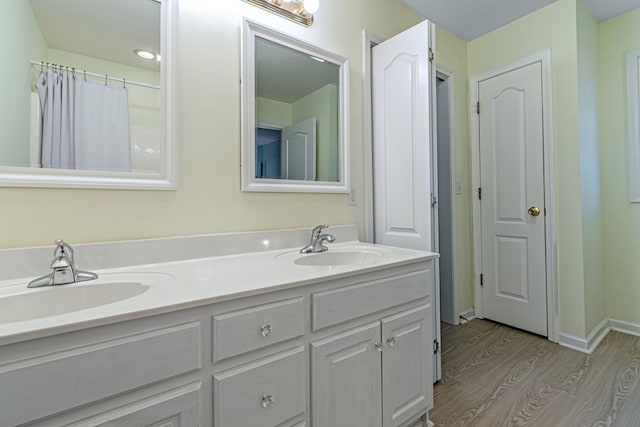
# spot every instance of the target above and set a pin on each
(467, 315)
(589, 344)
(250, 30)
(624, 327)
(549, 177)
(369, 40)
(586, 345)
(166, 178)
(633, 100)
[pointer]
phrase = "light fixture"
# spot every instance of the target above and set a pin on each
(146, 54)
(300, 11)
(311, 6)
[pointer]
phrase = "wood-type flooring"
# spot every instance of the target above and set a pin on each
(494, 376)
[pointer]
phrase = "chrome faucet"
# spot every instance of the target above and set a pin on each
(64, 269)
(317, 239)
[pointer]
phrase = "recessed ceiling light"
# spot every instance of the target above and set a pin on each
(145, 54)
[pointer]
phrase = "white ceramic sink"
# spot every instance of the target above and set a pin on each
(56, 300)
(333, 258)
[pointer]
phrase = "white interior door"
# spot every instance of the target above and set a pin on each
(402, 85)
(512, 199)
(401, 89)
(299, 150)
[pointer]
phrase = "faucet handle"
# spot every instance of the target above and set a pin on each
(318, 229)
(63, 249)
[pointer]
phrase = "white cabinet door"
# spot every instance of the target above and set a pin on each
(345, 378)
(175, 408)
(401, 91)
(407, 365)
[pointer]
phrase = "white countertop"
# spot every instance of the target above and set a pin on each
(195, 282)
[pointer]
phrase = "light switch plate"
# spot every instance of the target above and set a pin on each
(353, 198)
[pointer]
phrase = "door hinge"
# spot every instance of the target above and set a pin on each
(436, 346)
(434, 200)
(432, 55)
(478, 107)
(481, 280)
(479, 193)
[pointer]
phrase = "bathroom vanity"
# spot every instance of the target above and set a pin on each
(270, 338)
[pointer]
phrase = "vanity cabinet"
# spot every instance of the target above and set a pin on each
(351, 351)
(378, 374)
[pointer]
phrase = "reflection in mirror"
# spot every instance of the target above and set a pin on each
(294, 114)
(86, 108)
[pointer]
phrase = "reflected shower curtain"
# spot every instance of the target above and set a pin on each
(85, 124)
(57, 126)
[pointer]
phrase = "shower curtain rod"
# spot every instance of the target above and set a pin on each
(87, 73)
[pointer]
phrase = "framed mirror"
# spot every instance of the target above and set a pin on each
(294, 114)
(92, 98)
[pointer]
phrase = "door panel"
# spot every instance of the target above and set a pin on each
(407, 365)
(345, 379)
(512, 181)
(401, 134)
(299, 150)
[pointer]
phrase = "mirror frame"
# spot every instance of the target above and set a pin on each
(251, 30)
(165, 179)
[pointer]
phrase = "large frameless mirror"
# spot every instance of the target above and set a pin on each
(294, 114)
(89, 93)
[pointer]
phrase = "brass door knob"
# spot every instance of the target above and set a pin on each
(533, 211)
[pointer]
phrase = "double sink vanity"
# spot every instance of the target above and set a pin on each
(266, 337)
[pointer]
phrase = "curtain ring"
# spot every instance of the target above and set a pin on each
(41, 65)
(124, 83)
(106, 78)
(73, 72)
(85, 75)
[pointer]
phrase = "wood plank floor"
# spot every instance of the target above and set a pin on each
(494, 376)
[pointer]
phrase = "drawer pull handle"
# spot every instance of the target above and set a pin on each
(391, 341)
(266, 330)
(267, 400)
(379, 346)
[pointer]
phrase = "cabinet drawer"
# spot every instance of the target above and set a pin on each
(264, 393)
(339, 305)
(256, 327)
(43, 386)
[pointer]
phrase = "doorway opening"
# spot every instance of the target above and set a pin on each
(442, 203)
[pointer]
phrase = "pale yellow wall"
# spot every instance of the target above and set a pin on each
(592, 217)
(451, 53)
(323, 105)
(622, 219)
(275, 113)
(20, 41)
(553, 27)
(209, 197)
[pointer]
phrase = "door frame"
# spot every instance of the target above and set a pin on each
(544, 58)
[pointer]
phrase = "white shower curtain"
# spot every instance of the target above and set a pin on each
(57, 107)
(85, 124)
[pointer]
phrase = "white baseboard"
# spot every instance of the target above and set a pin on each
(587, 345)
(626, 327)
(468, 314)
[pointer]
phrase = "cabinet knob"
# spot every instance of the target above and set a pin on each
(391, 341)
(266, 330)
(379, 346)
(267, 400)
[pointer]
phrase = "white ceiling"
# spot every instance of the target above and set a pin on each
(108, 30)
(287, 75)
(469, 19)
